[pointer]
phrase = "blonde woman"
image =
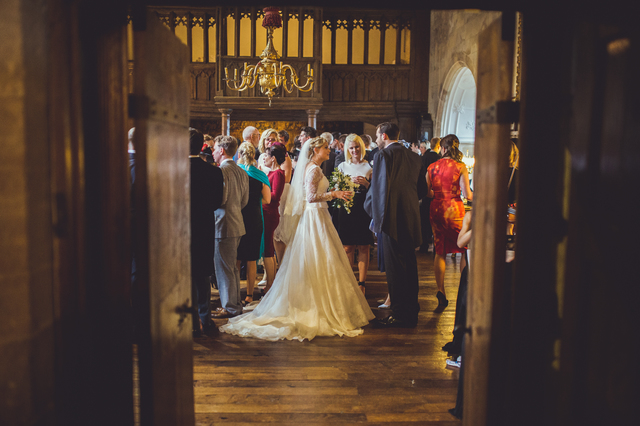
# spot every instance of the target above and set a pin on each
(315, 292)
(252, 243)
(353, 227)
(268, 138)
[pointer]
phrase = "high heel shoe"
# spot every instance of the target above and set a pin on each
(442, 300)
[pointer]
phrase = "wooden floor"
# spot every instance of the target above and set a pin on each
(392, 376)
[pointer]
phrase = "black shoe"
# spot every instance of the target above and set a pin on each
(452, 347)
(442, 302)
(392, 322)
(455, 413)
(210, 330)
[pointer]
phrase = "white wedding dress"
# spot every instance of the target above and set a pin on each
(315, 292)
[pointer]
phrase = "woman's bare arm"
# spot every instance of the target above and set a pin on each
(465, 233)
(266, 194)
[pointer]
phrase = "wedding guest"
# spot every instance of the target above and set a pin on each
(329, 165)
(430, 156)
(252, 135)
(423, 147)
(205, 152)
(397, 183)
(206, 198)
(229, 227)
(268, 138)
(307, 133)
(252, 243)
(446, 179)
(296, 146)
(274, 157)
(340, 156)
(353, 228)
(283, 138)
(369, 144)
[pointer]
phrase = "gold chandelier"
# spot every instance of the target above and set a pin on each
(269, 72)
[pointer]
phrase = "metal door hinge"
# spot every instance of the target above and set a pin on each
(503, 112)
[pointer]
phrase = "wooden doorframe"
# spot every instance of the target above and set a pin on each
(486, 313)
(90, 185)
(162, 232)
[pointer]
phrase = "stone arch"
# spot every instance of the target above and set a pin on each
(457, 106)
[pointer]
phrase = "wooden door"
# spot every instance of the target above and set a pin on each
(482, 379)
(161, 116)
(600, 312)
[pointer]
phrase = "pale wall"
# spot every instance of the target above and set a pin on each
(454, 38)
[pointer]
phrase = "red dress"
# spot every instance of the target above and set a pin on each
(271, 214)
(447, 209)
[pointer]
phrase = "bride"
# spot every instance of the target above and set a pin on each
(315, 292)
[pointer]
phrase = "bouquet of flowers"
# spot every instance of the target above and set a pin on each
(341, 182)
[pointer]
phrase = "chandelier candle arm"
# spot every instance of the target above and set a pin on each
(270, 72)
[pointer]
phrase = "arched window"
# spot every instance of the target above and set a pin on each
(459, 110)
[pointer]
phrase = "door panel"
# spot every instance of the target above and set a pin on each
(486, 280)
(161, 106)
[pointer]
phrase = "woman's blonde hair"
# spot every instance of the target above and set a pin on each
(264, 136)
(357, 139)
(314, 143)
(247, 154)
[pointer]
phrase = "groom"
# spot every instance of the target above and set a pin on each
(397, 183)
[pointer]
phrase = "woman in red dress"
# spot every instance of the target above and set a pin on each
(274, 157)
(445, 179)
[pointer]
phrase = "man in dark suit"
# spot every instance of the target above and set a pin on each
(328, 166)
(429, 157)
(397, 183)
(206, 197)
(339, 147)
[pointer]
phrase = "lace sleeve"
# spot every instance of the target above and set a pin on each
(311, 180)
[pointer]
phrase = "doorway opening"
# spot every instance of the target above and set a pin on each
(458, 106)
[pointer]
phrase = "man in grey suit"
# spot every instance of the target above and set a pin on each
(229, 226)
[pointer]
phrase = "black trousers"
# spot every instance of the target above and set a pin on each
(402, 277)
(425, 223)
(201, 295)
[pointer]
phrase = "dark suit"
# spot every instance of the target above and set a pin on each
(428, 158)
(329, 165)
(372, 154)
(206, 197)
(339, 159)
(397, 183)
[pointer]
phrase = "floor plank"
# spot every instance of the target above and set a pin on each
(386, 377)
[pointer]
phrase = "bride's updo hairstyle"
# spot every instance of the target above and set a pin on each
(315, 143)
(451, 145)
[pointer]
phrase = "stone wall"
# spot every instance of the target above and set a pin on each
(454, 42)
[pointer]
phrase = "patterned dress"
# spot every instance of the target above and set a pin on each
(447, 209)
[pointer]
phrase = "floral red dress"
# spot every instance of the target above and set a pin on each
(447, 209)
